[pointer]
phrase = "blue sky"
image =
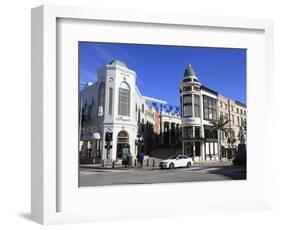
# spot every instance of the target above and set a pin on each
(160, 68)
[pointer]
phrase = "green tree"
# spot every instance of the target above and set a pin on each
(219, 127)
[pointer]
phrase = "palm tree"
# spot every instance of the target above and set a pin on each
(219, 126)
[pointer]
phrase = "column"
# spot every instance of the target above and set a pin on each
(202, 150)
(193, 143)
(170, 132)
(162, 133)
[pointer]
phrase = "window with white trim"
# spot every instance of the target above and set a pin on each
(124, 99)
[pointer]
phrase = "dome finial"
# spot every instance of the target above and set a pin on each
(189, 71)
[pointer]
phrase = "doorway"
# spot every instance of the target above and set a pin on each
(122, 142)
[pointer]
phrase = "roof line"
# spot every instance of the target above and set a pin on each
(154, 99)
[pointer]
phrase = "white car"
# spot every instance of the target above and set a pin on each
(176, 161)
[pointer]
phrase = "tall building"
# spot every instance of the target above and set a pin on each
(201, 109)
(114, 104)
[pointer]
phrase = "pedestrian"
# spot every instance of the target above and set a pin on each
(141, 159)
(138, 159)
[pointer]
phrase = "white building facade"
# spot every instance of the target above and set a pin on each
(114, 104)
(200, 112)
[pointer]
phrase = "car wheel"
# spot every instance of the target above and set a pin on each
(188, 165)
(172, 166)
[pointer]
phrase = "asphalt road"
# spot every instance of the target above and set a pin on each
(100, 177)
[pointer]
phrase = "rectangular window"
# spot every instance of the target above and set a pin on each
(124, 102)
(187, 106)
(187, 80)
(238, 121)
(188, 88)
(210, 134)
(232, 119)
(196, 106)
(187, 132)
(225, 117)
(110, 101)
(210, 108)
(197, 132)
(197, 149)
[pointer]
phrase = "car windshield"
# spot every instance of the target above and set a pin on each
(173, 157)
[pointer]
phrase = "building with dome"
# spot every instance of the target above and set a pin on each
(114, 104)
(202, 107)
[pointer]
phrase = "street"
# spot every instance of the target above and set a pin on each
(108, 176)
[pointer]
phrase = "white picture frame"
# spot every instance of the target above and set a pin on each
(56, 198)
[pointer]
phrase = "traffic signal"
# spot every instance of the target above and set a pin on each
(108, 136)
(107, 146)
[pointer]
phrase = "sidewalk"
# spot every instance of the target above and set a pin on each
(118, 165)
(150, 164)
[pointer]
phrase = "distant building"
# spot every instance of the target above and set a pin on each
(170, 121)
(235, 113)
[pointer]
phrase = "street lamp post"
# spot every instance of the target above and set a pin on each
(96, 137)
(138, 141)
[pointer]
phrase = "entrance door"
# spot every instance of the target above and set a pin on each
(188, 149)
(122, 142)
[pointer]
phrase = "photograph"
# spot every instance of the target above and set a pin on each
(161, 114)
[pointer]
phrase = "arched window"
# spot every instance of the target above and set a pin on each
(101, 99)
(124, 99)
(90, 108)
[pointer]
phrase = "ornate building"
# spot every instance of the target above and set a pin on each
(114, 104)
(201, 108)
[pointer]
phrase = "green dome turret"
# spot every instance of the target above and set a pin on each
(189, 71)
(117, 62)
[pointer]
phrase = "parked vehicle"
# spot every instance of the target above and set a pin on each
(240, 157)
(176, 161)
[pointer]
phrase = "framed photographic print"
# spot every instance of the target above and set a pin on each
(134, 108)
